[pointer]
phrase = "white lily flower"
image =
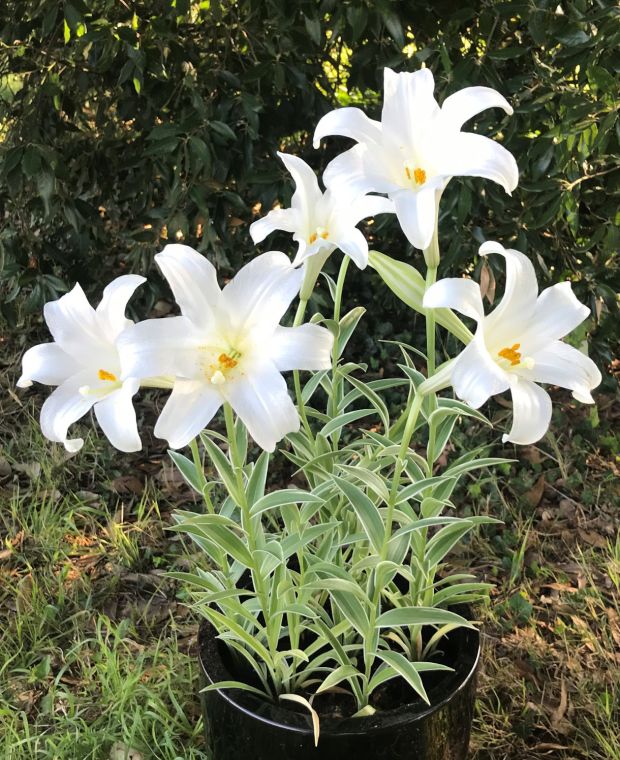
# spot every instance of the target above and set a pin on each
(416, 148)
(517, 345)
(227, 346)
(84, 362)
(321, 222)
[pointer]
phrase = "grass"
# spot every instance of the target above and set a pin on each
(97, 650)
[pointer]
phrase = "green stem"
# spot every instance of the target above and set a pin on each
(431, 277)
(412, 418)
(340, 286)
(200, 472)
(246, 518)
(299, 315)
(334, 400)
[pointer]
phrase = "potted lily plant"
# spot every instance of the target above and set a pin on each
(333, 626)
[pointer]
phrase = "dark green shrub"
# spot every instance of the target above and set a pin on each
(121, 123)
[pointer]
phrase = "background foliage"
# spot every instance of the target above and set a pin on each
(123, 124)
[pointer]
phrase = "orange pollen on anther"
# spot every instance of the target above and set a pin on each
(511, 354)
(227, 362)
(417, 175)
(319, 233)
(105, 375)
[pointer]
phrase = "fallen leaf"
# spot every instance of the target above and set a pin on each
(128, 484)
(31, 469)
(532, 454)
(557, 716)
(592, 538)
(535, 494)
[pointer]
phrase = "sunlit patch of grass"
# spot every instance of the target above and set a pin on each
(91, 655)
(549, 687)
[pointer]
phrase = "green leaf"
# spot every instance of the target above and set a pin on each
(222, 465)
(406, 669)
(374, 482)
(340, 674)
(313, 384)
(443, 541)
(258, 477)
(235, 685)
(420, 616)
(194, 478)
(366, 511)
(219, 534)
(353, 610)
(374, 399)
(424, 522)
(414, 489)
(475, 464)
(337, 423)
(347, 325)
(313, 27)
(285, 496)
(452, 594)
(222, 129)
(394, 27)
(226, 624)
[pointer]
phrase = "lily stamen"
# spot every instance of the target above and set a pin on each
(415, 173)
(511, 354)
(226, 361)
(109, 376)
(320, 232)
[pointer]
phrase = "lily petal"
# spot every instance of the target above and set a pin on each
(47, 363)
(563, 365)
(408, 100)
(111, 309)
(357, 171)
(307, 193)
(475, 376)
(515, 310)
(117, 417)
(308, 347)
(159, 347)
(371, 205)
(193, 281)
(557, 312)
(531, 410)
(462, 105)
(355, 245)
(286, 219)
(347, 122)
(73, 324)
(65, 406)
(471, 155)
(262, 291)
(189, 409)
(416, 214)
(456, 293)
(262, 402)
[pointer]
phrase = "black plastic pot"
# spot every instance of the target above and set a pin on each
(240, 726)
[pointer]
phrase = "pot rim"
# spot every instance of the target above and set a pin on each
(285, 719)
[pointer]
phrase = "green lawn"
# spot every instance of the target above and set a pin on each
(97, 650)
